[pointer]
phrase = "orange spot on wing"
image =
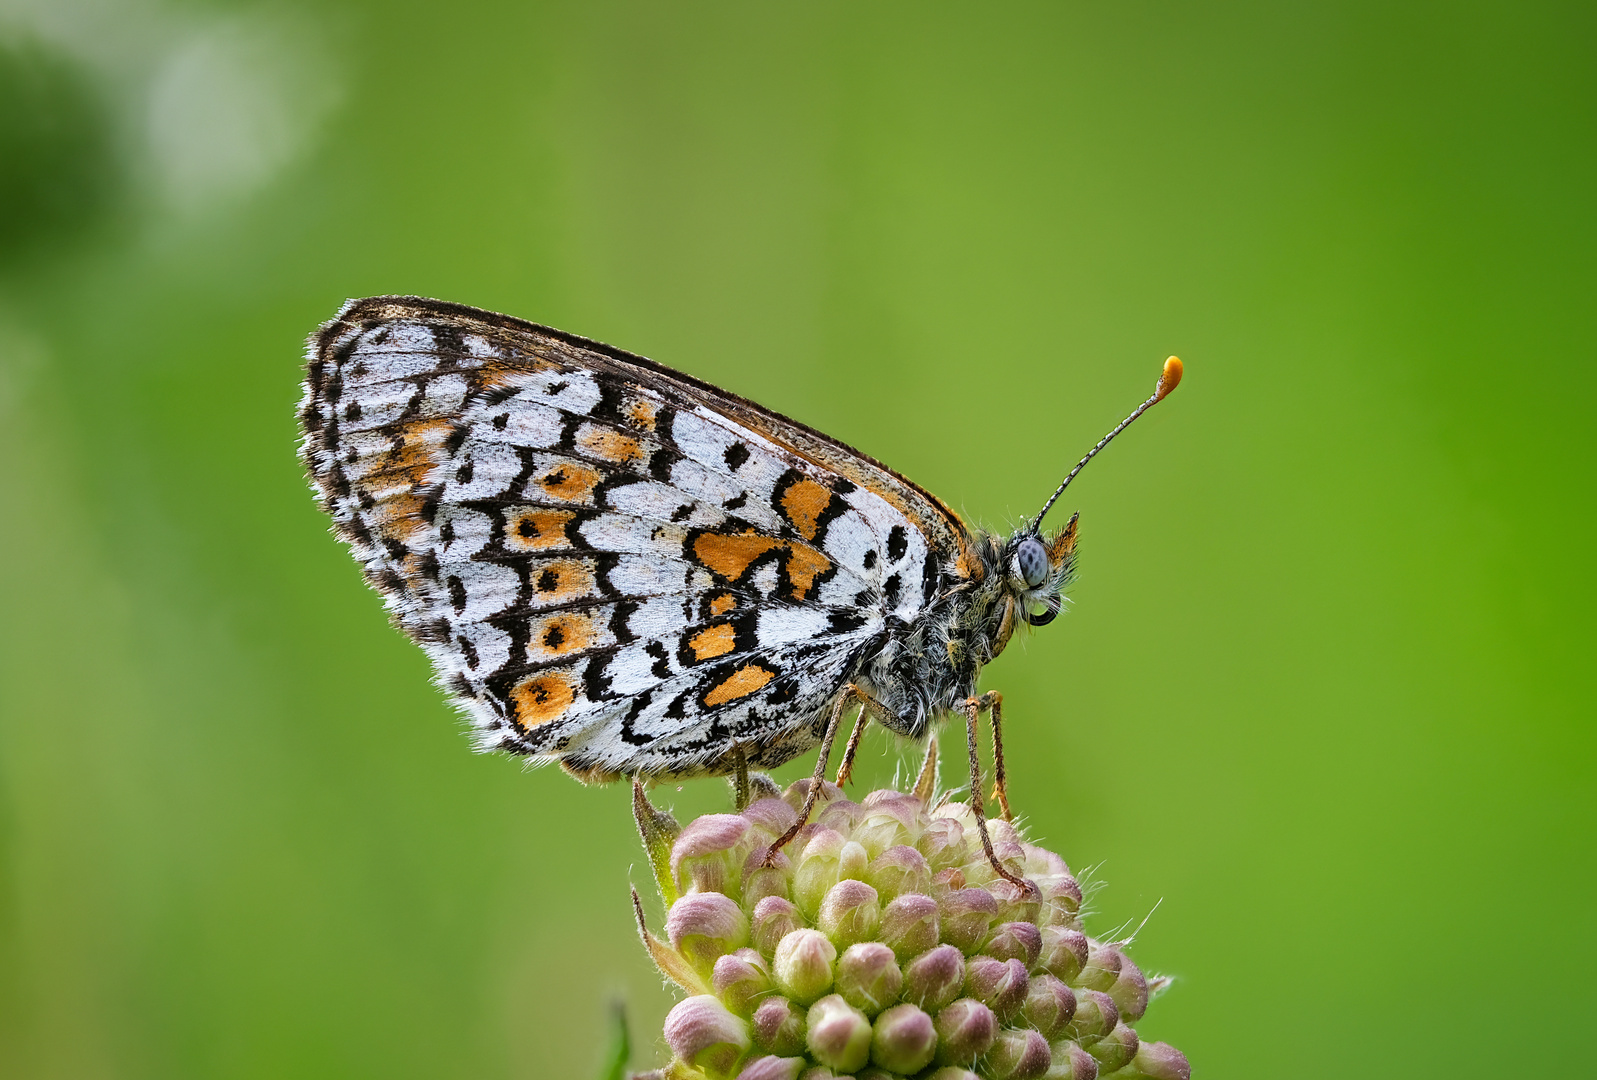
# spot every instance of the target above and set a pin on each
(567, 482)
(723, 604)
(741, 683)
(802, 505)
(530, 529)
(730, 556)
(804, 565)
(559, 635)
(713, 641)
(397, 517)
(539, 699)
(641, 413)
(560, 580)
(609, 445)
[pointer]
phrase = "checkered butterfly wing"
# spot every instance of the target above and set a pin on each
(607, 561)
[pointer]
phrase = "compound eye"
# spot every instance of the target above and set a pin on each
(1031, 559)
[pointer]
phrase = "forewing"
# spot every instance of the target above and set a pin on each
(606, 560)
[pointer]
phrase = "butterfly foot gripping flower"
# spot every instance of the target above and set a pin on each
(881, 943)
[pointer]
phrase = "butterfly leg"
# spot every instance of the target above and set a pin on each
(740, 778)
(926, 782)
(993, 702)
(868, 705)
(972, 713)
(849, 694)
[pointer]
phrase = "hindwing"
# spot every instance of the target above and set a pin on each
(607, 561)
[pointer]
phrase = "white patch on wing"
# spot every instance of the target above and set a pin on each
(657, 618)
(646, 575)
(471, 528)
(621, 532)
(529, 423)
(779, 625)
(489, 588)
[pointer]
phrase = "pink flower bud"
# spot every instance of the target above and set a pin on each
(853, 861)
(816, 869)
(998, 984)
(759, 880)
(899, 870)
(703, 926)
(934, 978)
(773, 817)
(1071, 1062)
(740, 980)
(1115, 1049)
(1041, 862)
(838, 1035)
(773, 1068)
(1096, 1015)
(1102, 967)
(952, 1072)
(1018, 1055)
(802, 967)
(1161, 1061)
(774, 919)
(966, 917)
(903, 1039)
(795, 792)
(1050, 1005)
(883, 825)
(965, 1030)
(849, 913)
(1130, 990)
(704, 1034)
(821, 1072)
(1014, 903)
(1006, 845)
(1061, 898)
(868, 977)
(708, 855)
(943, 843)
(840, 813)
(779, 1027)
(1064, 952)
(909, 925)
(1015, 941)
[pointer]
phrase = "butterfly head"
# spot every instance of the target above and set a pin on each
(1036, 570)
(1037, 567)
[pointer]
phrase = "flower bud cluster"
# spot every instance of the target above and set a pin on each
(882, 944)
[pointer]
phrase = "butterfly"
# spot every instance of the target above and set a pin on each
(622, 568)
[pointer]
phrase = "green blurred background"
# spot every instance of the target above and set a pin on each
(1324, 686)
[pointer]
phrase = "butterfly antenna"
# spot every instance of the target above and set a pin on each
(1169, 378)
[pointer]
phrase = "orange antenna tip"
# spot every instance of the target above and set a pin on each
(1169, 378)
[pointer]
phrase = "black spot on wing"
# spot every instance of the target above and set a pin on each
(595, 683)
(618, 621)
(929, 577)
(844, 622)
(890, 591)
(457, 593)
(498, 395)
(735, 455)
(897, 543)
(661, 668)
(450, 344)
(628, 736)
